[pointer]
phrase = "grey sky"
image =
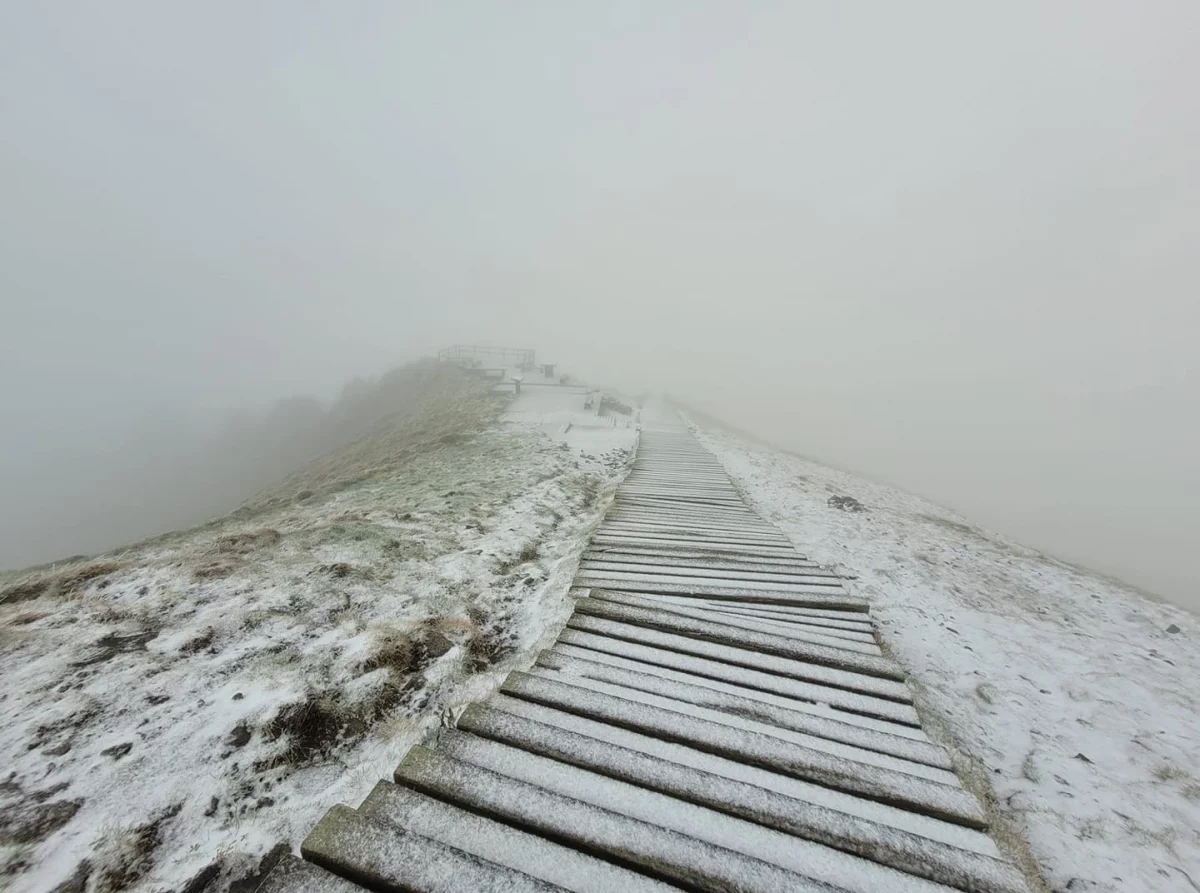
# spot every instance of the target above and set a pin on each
(949, 245)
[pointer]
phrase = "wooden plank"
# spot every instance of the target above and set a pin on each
(692, 545)
(503, 844)
(782, 712)
(830, 685)
(839, 705)
(665, 574)
(749, 640)
(801, 596)
(898, 849)
(935, 829)
(382, 856)
(941, 801)
(701, 557)
(730, 574)
(813, 635)
(292, 875)
(675, 702)
(491, 784)
(713, 528)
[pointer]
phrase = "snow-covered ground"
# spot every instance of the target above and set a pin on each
(176, 711)
(1075, 695)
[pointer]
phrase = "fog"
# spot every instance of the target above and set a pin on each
(945, 245)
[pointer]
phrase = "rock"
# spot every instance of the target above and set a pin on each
(77, 882)
(846, 504)
(117, 750)
(32, 823)
(1173, 628)
(1080, 756)
(436, 644)
(240, 736)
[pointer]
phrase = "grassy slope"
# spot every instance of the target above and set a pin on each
(190, 702)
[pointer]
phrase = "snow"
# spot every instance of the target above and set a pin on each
(148, 713)
(1062, 687)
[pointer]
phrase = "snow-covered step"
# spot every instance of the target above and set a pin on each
(726, 531)
(292, 875)
(829, 721)
(661, 531)
(503, 844)
(562, 803)
(798, 595)
(766, 644)
(930, 797)
(829, 626)
(381, 856)
(813, 635)
(603, 539)
(735, 713)
(650, 522)
(666, 574)
(935, 829)
(820, 685)
(729, 574)
(900, 848)
(700, 556)
(783, 712)
(798, 861)
(683, 511)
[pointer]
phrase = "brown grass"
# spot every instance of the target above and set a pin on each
(59, 584)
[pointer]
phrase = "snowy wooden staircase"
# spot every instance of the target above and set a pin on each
(716, 716)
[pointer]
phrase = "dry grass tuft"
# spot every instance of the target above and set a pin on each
(61, 584)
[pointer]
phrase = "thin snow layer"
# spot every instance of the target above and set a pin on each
(1076, 694)
(212, 693)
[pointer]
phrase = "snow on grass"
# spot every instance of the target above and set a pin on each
(1074, 694)
(179, 710)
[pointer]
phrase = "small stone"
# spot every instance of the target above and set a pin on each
(117, 751)
(240, 736)
(1080, 756)
(57, 750)
(1172, 628)
(238, 696)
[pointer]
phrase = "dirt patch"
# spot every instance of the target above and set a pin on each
(954, 526)
(212, 570)
(127, 854)
(109, 646)
(242, 544)
(31, 821)
(311, 728)
(845, 504)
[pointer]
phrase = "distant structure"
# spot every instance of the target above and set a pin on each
(487, 357)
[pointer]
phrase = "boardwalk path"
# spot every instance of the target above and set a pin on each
(715, 716)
